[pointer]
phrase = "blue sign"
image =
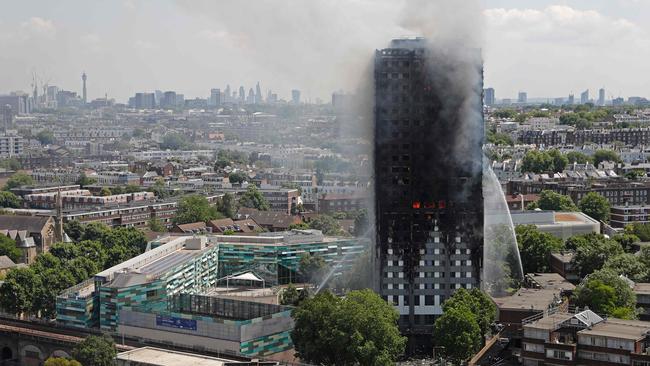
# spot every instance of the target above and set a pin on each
(172, 322)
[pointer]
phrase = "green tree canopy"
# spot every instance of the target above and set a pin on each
(156, 225)
(195, 208)
(595, 206)
(292, 296)
(312, 268)
(237, 177)
(549, 200)
(577, 157)
(18, 180)
(19, 290)
(228, 205)
(85, 180)
(360, 329)
(95, 351)
(175, 141)
(559, 161)
(327, 224)
(606, 293)
(8, 248)
(536, 162)
(593, 255)
(253, 198)
(535, 248)
(458, 332)
(60, 361)
(9, 200)
(605, 155)
(628, 265)
(45, 137)
(481, 306)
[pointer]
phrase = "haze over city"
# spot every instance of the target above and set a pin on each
(547, 48)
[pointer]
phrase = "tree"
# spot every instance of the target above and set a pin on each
(481, 306)
(327, 224)
(19, 290)
(577, 157)
(45, 137)
(95, 351)
(312, 268)
(237, 177)
(175, 141)
(85, 180)
(642, 231)
(605, 155)
(626, 240)
(10, 164)
(8, 248)
(105, 191)
(292, 296)
(156, 225)
(60, 361)
(458, 332)
(592, 256)
(361, 223)
(628, 265)
(606, 293)
(74, 229)
(195, 208)
(595, 206)
(535, 248)
(18, 180)
(559, 161)
(536, 162)
(253, 198)
(228, 205)
(635, 174)
(9, 200)
(360, 329)
(549, 200)
(300, 226)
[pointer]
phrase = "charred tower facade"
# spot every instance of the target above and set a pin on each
(428, 179)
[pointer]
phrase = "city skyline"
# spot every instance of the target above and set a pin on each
(126, 50)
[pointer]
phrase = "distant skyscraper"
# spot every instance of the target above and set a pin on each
(7, 117)
(489, 98)
(84, 96)
(601, 96)
(215, 98)
(571, 100)
(227, 94)
(145, 100)
(428, 182)
(158, 95)
(295, 96)
(584, 97)
(242, 94)
(522, 97)
(251, 97)
(168, 100)
(258, 94)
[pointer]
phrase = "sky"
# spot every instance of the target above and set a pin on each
(546, 48)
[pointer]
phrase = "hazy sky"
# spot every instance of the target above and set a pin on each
(547, 48)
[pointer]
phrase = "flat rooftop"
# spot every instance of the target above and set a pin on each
(551, 281)
(162, 357)
(550, 322)
(617, 328)
(527, 299)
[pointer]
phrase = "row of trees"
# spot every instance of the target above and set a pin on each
(33, 290)
(592, 204)
(598, 259)
(196, 208)
(537, 161)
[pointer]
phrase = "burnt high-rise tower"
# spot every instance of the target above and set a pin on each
(428, 178)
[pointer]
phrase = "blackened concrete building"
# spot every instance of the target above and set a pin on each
(428, 176)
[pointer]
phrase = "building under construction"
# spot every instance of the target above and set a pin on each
(428, 179)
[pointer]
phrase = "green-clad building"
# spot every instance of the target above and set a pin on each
(193, 266)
